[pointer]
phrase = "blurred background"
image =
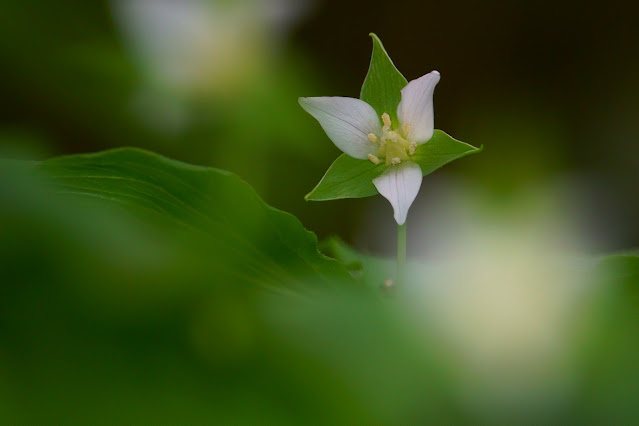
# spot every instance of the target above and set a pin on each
(549, 88)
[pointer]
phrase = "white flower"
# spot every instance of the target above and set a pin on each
(361, 132)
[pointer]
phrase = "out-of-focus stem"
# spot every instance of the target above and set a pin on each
(401, 253)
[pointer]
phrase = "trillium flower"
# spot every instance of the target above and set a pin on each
(361, 132)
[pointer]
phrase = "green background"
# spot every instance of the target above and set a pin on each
(188, 288)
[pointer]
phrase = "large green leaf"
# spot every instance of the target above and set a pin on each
(383, 84)
(243, 239)
(622, 269)
(351, 178)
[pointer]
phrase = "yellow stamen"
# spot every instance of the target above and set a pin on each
(373, 159)
(387, 121)
(394, 146)
(412, 147)
(372, 137)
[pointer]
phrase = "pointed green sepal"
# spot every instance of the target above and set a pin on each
(383, 84)
(441, 149)
(347, 177)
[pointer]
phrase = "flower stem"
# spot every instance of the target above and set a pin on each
(401, 253)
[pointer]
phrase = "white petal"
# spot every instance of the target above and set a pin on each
(400, 185)
(415, 110)
(347, 122)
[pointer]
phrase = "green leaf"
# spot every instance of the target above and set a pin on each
(622, 268)
(347, 177)
(240, 237)
(383, 84)
(441, 149)
(368, 269)
(371, 271)
(351, 178)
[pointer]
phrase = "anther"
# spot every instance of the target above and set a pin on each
(373, 159)
(411, 148)
(395, 161)
(387, 121)
(372, 137)
(405, 129)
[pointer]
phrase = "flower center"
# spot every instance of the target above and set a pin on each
(393, 145)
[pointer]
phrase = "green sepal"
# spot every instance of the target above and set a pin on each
(347, 177)
(440, 150)
(383, 84)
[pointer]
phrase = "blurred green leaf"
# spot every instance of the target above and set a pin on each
(383, 84)
(94, 297)
(623, 270)
(368, 269)
(351, 178)
(611, 381)
(245, 239)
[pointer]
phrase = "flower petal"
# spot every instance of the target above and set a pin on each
(400, 185)
(347, 122)
(415, 110)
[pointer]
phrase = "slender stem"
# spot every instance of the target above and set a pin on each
(401, 253)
